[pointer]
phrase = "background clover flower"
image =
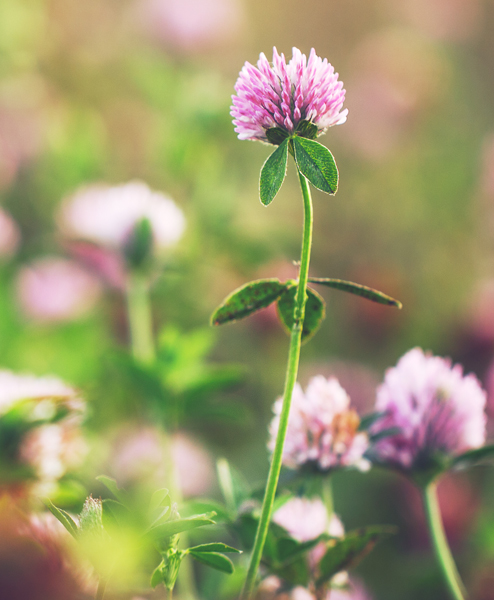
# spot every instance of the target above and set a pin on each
(107, 215)
(322, 429)
(437, 409)
(283, 95)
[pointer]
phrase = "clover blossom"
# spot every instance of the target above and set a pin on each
(287, 96)
(107, 215)
(438, 410)
(322, 428)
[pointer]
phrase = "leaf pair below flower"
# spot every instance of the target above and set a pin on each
(313, 160)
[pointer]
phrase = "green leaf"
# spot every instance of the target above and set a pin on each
(111, 484)
(276, 135)
(273, 173)
(214, 547)
(357, 289)
(385, 433)
(170, 528)
(62, 516)
(367, 421)
(316, 163)
(290, 549)
(248, 299)
(157, 576)
(314, 311)
(217, 561)
(474, 457)
(347, 552)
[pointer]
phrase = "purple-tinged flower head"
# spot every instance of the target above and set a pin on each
(303, 97)
(438, 410)
(322, 428)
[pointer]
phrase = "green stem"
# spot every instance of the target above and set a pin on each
(290, 379)
(140, 317)
(440, 543)
(327, 495)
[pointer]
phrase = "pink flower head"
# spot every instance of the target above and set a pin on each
(285, 95)
(56, 289)
(322, 428)
(107, 215)
(437, 409)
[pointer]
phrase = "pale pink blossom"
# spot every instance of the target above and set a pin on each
(438, 410)
(305, 519)
(107, 215)
(55, 289)
(191, 24)
(322, 428)
(9, 235)
(282, 95)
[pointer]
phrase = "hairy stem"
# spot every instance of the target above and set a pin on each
(440, 544)
(290, 379)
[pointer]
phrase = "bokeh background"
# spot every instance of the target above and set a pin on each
(117, 90)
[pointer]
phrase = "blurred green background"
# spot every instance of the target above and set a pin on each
(115, 90)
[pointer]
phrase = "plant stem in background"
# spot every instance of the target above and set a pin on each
(290, 379)
(327, 495)
(100, 592)
(143, 349)
(140, 317)
(440, 543)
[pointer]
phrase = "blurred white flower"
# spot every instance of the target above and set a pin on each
(56, 289)
(107, 215)
(9, 234)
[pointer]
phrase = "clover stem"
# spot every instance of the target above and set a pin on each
(140, 317)
(290, 379)
(440, 543)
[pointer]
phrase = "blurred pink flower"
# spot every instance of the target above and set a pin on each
(191, 24)
(50, 449)
(395, 73)
(305, 519)
(56, 289)
(322, 429)
(282, 95)
(437, 409)
(141, 456)
(107, 215)
(38, 559)
(452, 20)
(9, 234)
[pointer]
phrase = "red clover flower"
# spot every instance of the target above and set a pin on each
(438, 410)
(291, 97)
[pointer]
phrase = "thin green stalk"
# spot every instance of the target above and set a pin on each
(290, 379)
(440, 543)
(140, 317)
